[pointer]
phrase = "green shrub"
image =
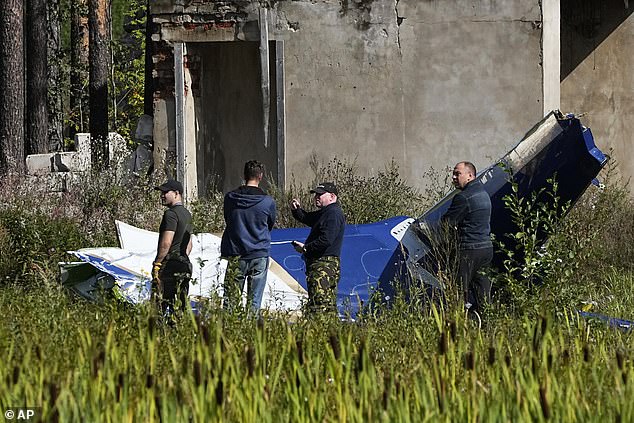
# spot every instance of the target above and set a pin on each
(32, 243)
(596, 242)
(368, 199)
(37, 227)
(532, 261)
(604, 220)
(207, 214)
(591, 245)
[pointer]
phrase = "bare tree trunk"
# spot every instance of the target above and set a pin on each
(55, 112)
(79, 45)
(99, 60)
(36, 78)
(11, 87)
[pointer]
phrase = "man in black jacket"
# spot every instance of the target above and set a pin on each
(322, 249)
(470, 214)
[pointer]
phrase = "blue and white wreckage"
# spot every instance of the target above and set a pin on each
(375, 255)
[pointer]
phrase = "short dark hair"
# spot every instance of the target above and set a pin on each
(470, 166)
(253, 169)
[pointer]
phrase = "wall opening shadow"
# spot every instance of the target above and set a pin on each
(229, 114)
(585, 24)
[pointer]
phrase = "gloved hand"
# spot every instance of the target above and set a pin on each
(156, 269)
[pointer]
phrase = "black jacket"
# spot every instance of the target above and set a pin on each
(470, 213)
(326, 234)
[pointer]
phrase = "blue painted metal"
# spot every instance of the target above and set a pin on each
(625, 325)
(367, 251)
(571, 155)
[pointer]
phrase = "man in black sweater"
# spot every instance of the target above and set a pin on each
(322, 249)
(470, 214)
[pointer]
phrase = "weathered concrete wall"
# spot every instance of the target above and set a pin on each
(426, 82)
(598, 62)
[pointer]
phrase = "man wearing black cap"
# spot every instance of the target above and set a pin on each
(322, 249)
(171, 270)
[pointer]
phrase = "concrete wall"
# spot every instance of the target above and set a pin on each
(597, 63)
(426, 82)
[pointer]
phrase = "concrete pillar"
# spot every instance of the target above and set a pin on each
(265, 74)
(190, 180)
(551, 55)
(186, 171)
(281, 114)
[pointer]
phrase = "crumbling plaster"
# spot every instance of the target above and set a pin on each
(427, 83)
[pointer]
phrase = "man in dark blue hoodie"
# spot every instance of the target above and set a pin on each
(246, 243)
(470, 214)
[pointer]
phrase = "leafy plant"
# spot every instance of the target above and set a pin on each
(537, 264)
(31, 244)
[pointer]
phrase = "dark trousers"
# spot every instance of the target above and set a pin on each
(322, 277)
(476, 287)
(175, 276)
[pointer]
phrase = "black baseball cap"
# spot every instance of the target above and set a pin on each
(170, 185)
(325, 187)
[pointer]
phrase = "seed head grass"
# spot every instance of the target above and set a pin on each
(408, 361)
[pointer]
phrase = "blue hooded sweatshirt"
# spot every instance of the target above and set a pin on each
(250, 216)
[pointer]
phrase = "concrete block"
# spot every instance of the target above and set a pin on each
(41, 164)
(162, 6)
(198, 34)
(57, 182)
(117, 149)
(82, 143)
(38, 164)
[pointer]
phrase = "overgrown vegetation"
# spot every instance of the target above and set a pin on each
(532, 360)
(108, 363)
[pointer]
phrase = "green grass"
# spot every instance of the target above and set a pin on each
(94, 363)
(113, 362)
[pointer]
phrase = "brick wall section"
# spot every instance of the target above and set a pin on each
(201, 20)
(163, 72)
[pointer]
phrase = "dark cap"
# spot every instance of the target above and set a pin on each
(324, 187)
(170, 185)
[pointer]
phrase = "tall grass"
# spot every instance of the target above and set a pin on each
(94, 363)
(86, 362)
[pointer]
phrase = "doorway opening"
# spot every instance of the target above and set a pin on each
(230, 114)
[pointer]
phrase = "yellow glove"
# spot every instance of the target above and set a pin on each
(156, 269)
